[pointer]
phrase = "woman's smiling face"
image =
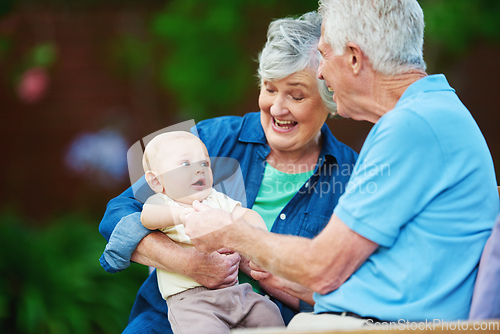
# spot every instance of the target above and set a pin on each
(292, 111)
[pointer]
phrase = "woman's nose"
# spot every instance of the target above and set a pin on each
(279, 107)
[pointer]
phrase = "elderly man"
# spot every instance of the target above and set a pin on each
(406, 237)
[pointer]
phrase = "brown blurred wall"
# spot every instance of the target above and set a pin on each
(85, 95)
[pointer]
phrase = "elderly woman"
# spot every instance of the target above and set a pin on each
(293, 168)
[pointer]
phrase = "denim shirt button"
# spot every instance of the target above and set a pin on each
(282, 216)
(307, 184)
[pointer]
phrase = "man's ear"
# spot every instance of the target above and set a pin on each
(154, 182)
(356, 57)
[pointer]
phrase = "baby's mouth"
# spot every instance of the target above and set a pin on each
(284, 124)
(199, 183)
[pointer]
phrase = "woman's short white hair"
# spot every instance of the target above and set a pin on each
(389, 32)
(291, 47)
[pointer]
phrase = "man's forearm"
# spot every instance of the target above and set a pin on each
(279, 254)
(321, 264)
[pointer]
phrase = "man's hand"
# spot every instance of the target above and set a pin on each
(203, 225)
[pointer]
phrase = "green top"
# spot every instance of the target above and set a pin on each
(276, 190)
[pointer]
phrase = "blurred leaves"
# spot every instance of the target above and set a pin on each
(456, 25)
(199, 50)
(52, 282)
(130, 55)
(42, 55)
(204, 63)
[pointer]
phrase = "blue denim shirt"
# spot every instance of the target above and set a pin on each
(242, 139)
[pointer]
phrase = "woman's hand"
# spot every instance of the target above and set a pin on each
(213, 270)
(216, 270)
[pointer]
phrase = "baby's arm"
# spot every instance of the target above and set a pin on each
(250, 216)
(155, 216)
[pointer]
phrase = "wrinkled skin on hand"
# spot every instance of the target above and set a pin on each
(203, 225)
(215, 270)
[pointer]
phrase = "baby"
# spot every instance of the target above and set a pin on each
(177, 168)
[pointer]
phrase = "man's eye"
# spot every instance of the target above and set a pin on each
(185, 163)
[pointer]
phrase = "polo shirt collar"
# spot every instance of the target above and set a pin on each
(435, 82)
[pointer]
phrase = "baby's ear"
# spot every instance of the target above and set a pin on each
(154, 181)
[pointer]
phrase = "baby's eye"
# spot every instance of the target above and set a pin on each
(185, 163)
(205, 164)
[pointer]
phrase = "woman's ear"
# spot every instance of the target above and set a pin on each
(154, 182)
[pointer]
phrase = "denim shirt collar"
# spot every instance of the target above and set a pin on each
(252, 132)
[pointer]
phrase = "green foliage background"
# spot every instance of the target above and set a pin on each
(203, 52)
(52, 281)
(200, 48)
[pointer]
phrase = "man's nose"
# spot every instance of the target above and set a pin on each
(320, 72)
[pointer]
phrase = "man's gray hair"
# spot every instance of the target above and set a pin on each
(292, 46)
(389, 32)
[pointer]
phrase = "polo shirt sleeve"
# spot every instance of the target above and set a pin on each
(392, 180)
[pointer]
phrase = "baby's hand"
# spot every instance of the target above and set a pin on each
(186, 211)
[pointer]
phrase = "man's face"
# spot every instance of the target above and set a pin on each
(185, 171)
(335, 71)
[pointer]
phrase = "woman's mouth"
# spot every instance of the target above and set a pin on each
(283, 125)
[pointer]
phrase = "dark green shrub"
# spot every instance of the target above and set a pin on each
(51, 280)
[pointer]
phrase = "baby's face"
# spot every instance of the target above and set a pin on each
(185, 171)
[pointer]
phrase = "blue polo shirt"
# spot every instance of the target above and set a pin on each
(240, 139)
(424, 189)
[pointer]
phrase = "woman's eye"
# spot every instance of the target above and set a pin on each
(270, 91)
(298, 98)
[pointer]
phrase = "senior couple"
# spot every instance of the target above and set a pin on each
(401, 240)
